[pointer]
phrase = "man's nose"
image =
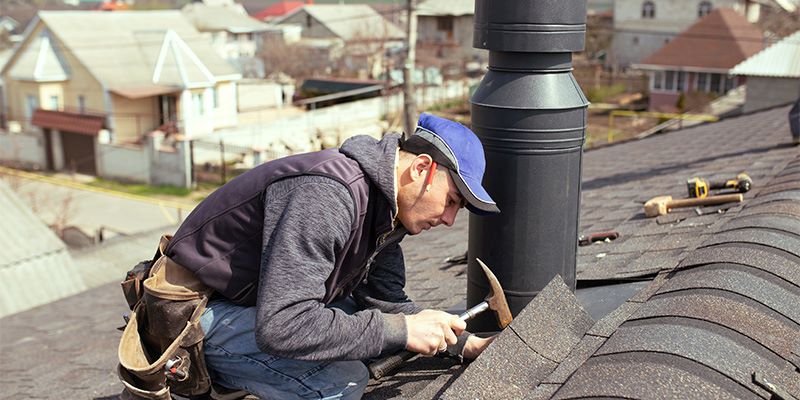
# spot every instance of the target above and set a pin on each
(449, 216)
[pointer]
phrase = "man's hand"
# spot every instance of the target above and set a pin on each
(431, 331)
(476, 345)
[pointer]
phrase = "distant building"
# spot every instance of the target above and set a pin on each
(234, 34)
(773, 75)
(700, 57)
(643, 26)
(444, 31)
(279, 9)
(352, 36)
(83, 76)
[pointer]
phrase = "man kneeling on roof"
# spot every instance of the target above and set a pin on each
(303, 255)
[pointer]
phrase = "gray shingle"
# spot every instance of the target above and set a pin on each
(650, 376)
(714, 346)
(760, 286)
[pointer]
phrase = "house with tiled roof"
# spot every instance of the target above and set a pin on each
(695, 304)
(773, 75)
(83, 76)
(700, 58)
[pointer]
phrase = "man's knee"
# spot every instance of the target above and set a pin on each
(353, 378)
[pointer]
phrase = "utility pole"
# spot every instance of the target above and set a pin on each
(409, 104)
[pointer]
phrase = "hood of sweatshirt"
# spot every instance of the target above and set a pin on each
(377, 159)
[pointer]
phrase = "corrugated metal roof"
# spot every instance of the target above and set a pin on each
(781, 60)
(35, 267)
(455, 8)
(353, 21)
(221, 18)
(127, 49)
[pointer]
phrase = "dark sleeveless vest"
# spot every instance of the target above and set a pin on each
(221, 240)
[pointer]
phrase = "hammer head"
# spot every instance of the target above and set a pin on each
(496, 299)
(657, 206)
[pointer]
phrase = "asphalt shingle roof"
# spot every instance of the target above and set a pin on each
(701, 329)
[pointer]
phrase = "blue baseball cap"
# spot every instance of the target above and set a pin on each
(456, 148)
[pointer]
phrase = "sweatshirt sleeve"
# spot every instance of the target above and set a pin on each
(307, 222)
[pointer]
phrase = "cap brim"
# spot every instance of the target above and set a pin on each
(478, 200)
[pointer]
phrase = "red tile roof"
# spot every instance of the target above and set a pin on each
(68, 121)
(720, 40)
(278, 9)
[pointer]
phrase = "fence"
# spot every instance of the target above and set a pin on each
(322, 128)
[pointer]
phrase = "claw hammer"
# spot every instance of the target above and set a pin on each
(495, 301)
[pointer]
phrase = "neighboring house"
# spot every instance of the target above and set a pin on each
(643, 26)
(36, 267)
(444, 31)
(235, 34)
(353, 36)
(700, 57)
(773, 75)
(279, 9)
(119, 75)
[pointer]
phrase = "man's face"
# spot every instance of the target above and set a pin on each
(420, 210)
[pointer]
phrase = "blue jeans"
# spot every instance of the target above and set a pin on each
(235, 361)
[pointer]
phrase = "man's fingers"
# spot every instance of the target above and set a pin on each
(457, 324)
(450, 337)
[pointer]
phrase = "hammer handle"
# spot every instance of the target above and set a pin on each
(706, 201)
(385, 365)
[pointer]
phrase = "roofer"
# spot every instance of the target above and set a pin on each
(303, 256)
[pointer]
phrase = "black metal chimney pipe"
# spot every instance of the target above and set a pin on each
(530, 115)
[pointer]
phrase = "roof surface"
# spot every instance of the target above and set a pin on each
(278, 9)
(720, 40)
(455, 8)
(133, 49)
(352, 21)
(220, 18)
(780, 60)
(757, 290)
(35, 267)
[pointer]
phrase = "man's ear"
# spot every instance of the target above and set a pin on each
(420, 166)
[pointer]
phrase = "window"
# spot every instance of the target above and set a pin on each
(444, 23)
(669, 80)
(31, 104)
(635, 40)
(703, 9)
(648, 10)
(681, 81)
(658, 78)
(715, 79)
(214, 98)
(197, 99)
(308, 21)
(54, 102)
(728, 84)
(702, 82)
(81, 104)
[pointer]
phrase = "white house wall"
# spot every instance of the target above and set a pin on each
(763, 92)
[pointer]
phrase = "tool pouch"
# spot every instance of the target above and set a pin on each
(161, 349)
